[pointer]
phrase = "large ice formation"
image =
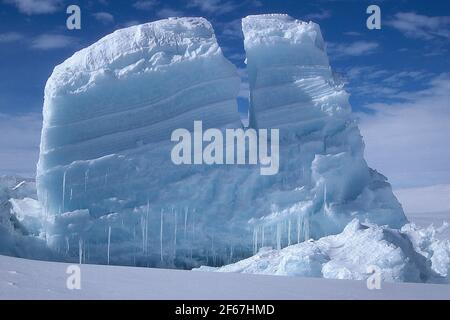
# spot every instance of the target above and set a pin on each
(106, 179)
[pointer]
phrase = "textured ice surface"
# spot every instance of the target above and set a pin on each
(410, 254)
(21, 220)
(105, 174)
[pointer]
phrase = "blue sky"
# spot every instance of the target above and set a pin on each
(398, 77)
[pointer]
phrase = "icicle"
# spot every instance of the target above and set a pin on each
(298, 227)
(289, 232)
(213, 254)
(146, 227)
(306, 227)
(255, 240)
(175, 235)
(109, 242)
(143, 233)
(193, 224)
(86, 176)
(185, 220)
(80, 250)
(64, 190)
(67, 246)
(326, 208)
(71, 194)
(106, 178)
(161, 235)
(278, 236)
(262, 236)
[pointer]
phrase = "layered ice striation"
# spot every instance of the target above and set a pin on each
(109, 112)
(324, 178)
(106, 179)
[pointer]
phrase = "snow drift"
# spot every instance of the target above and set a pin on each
(410, 254)
(105, 177)
(22, 226)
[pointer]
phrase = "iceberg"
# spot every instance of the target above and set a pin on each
(105, 176)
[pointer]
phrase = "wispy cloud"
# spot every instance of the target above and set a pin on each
(419, 26)
(376, 84)
(230, 29)
(244, 91)
(357, 48)
(168, 12)
(408, 140)
(130, 23)
(427, 199)
(214, 6)
(324, 14)
(19, 143)
(145, 4)
(10, 37)
(31, 7)
(352, 33)
(104, 17)
(53, 41)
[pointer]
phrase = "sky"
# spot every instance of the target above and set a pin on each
(398, 77)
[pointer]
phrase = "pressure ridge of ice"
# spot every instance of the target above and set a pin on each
(410, 254)
(105, 178)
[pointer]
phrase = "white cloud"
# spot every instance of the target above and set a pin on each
(52, 41)
(168, 12)
(31, 7)
(428, 199)
(131, 23)
(104, 17)
(231, 29)
(409, 141)
(352, 33)
(10, 37)
(244, 91)
(357, 48)
(145, 4)
(377, 84)
(214, 6)
(19, 143)
(414, 25)
(324, 14)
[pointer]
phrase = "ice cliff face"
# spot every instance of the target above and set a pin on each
(106, 179)
(322, 165)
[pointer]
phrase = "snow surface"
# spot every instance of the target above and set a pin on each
(109, 112)
(27, 279)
